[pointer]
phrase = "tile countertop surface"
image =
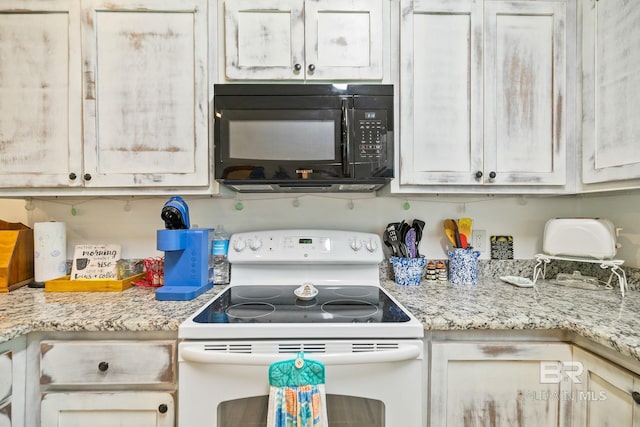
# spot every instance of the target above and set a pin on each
(602, 316)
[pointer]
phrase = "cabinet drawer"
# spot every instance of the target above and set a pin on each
(107, 362)
(6, 377)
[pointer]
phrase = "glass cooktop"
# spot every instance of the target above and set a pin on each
(279, 304)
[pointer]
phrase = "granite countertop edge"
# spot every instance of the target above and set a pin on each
(604, 317)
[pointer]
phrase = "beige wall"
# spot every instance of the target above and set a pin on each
(133, 222)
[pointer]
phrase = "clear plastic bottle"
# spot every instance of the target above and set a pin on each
(221, 268)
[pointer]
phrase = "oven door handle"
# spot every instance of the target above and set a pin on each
(190, 354)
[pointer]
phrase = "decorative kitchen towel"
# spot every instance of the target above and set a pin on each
(297, 395)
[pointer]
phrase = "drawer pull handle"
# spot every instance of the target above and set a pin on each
(163, 408)
(636, 396)
(103, 366)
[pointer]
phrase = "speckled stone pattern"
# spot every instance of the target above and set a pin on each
(603, 316)
(135, 309)
(488, 269)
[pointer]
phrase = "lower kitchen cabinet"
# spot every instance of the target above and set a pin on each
(141, 409)
(12, 382)
(129, 383)
(499, 384)
(607, 394)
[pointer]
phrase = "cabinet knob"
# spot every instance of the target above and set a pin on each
(297, 67)
(163, 408)
(478, 174)
(636, 396)
(103, 366)
(492, 175)
(87, 177)
(312, 67)
(72, 176)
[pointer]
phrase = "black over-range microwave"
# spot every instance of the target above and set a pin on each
(303, 137)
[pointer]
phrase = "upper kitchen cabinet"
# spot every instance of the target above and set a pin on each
(611, 94)
(305, 39)
(483, 92)
(103, 96)
(40, 101)
(145, 93)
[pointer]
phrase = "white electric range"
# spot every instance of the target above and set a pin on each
(311, 291)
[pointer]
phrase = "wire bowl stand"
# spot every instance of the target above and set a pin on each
(540, 269)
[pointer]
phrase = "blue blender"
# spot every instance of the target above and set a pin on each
(186, 254)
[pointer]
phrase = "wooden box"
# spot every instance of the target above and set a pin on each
(16, 255)
(64, 284)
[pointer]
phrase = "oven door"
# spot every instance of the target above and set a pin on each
(372, 383)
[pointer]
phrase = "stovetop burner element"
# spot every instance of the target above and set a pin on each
(352, 309)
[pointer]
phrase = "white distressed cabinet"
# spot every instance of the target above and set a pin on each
(103, 94)
(610, 91)
(304, 39)
(145, 93)
(12, 383)
(40, 101)
(107, 383)
(6, 384)
(497, 384)
(483, 95)
(607, 394)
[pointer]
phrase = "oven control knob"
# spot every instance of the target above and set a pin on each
(239, 245)
(356, 245)
(255, 244)
(372, 246)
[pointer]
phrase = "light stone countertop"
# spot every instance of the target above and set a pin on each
(601, 316)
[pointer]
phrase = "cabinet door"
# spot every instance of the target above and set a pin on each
(145, 93)
(12, 382)
(5, 414)
(343, 39)
(605, 394)
(610, 90)
(497, 384)
(264, 39)
(40, 109)
(6, 374)
(146, 409)
(441, 91)
(525, 93)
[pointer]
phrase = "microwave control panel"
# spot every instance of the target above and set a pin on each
(370, 134)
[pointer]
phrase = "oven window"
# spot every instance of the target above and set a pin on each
(342, 411)
(282, 139)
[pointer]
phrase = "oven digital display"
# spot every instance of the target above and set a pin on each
(305, 241)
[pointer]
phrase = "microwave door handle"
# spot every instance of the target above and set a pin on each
(346, 149)
(199, 355)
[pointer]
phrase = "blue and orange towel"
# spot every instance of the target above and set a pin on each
(297, 395)
(297, 406)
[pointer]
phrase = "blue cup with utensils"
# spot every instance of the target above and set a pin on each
(408, 271)
(463, 266)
